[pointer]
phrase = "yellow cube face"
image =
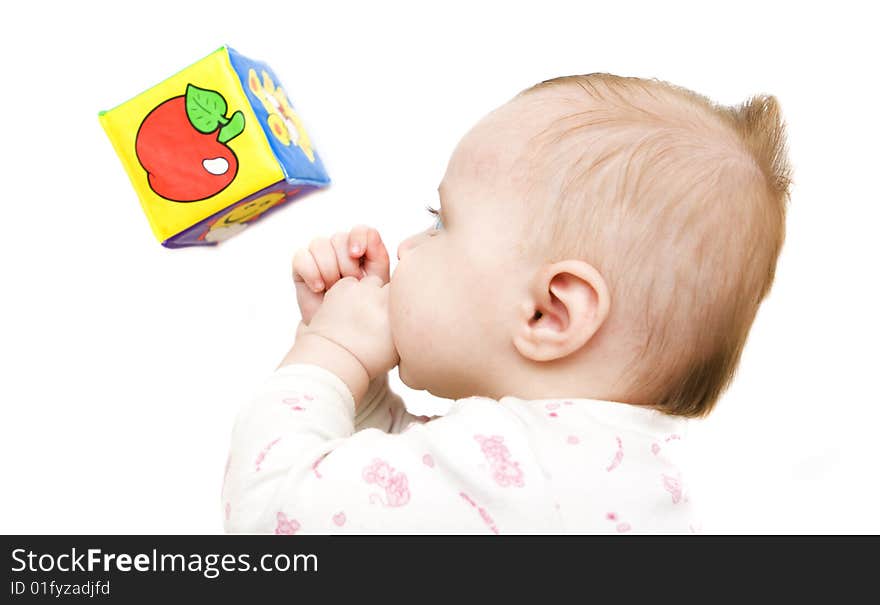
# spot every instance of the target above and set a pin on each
(192, 145)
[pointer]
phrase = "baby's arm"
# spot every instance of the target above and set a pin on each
(380, 408)
(357, 253)
(297, 466)
(301, 413)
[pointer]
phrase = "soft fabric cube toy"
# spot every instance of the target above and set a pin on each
(213, 148)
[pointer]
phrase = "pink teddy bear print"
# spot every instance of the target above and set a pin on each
(504, 470)
(395, 484)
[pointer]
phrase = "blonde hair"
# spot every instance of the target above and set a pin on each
(680, 203)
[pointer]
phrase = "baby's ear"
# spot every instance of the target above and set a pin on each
(567, 303)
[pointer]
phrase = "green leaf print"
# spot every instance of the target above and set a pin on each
(206, 109)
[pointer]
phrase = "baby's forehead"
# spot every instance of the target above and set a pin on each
(495, 147)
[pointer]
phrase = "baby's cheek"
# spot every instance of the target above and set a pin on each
(398, 310)
(415, 331)
(403, 315)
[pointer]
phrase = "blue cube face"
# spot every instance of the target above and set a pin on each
(284, 130)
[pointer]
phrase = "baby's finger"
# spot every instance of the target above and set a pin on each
(376, 259)
(348, 266)
(305, 270)
(357, 240)
(325, 257)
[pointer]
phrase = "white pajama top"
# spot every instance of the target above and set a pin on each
(303, 462)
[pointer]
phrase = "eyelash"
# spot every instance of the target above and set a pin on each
(436, 214)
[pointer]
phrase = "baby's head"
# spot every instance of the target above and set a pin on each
(602, 237)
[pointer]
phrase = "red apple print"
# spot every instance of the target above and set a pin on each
(182, 146)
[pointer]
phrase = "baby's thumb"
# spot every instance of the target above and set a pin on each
(376, 260)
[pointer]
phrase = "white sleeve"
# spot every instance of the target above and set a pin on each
(298, 465)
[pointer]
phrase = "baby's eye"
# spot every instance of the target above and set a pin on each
(435, 213)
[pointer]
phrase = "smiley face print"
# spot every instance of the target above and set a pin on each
(236, 219)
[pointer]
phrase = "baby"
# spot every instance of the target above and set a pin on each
(600, 252)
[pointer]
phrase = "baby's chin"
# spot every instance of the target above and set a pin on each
(405, 377)
(438, 387)
(409, 379)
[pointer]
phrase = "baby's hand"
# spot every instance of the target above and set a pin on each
(354, 315)
(355, 254)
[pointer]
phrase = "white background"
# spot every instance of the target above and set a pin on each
(124, 363)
